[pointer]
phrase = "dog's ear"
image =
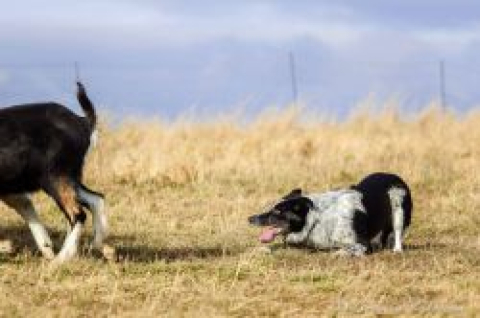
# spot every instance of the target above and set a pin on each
(304, 204)
(300, 205)
(298, 210)
(293, 194)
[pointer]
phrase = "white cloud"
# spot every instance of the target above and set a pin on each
(450, 40)
(262, 21)
(146, 23)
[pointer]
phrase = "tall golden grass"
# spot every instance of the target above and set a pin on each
(179, 194)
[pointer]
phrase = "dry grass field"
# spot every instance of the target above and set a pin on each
(179, 194)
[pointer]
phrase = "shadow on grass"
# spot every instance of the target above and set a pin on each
(21, 238)
(146, 254)
(127, 250)
(22, 241)
(425, 246)
(372, 251)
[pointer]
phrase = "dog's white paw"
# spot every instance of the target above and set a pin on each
(109, 252)
(48, 253)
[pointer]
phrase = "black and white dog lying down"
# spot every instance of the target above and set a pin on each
(353, 220)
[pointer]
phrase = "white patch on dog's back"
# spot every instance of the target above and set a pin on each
(341, 201)
(330, 223)
(93, 140)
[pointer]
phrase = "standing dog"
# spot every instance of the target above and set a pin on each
(352, 220)
(43, 147)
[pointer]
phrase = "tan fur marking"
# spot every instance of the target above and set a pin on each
(68, 196)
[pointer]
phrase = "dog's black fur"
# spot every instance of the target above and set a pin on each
(43, 147)
(291, 212)
(41, 142)
(374, 189)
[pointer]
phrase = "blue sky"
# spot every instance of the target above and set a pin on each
(166, 58)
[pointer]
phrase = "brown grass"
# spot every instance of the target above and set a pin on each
(179, 195)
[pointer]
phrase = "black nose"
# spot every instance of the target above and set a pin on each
(253, 220)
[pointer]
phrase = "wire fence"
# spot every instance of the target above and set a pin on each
(170, 90)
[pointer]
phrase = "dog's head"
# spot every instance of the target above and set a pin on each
(284, 217)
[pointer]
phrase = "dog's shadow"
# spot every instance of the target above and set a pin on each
(125, 246)
(425, 246)
(147, 254)
(20, 239)
(127, 250)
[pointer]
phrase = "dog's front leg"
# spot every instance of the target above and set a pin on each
(295, 239)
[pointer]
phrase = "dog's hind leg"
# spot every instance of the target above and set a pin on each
(24, 206)
(398, 216)
(63, 191)
(95, 202)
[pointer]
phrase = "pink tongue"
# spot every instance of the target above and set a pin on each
(268, 235)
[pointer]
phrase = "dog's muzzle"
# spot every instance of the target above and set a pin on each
(255, 220)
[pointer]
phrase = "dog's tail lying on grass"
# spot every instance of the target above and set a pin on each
(353, 220)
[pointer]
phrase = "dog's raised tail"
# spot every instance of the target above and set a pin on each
(86, 105)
